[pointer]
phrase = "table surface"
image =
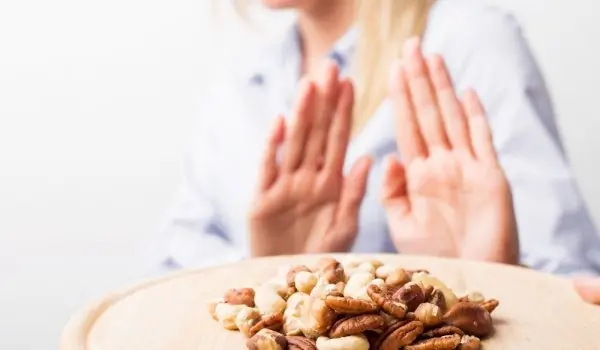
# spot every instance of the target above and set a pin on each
(537, 311)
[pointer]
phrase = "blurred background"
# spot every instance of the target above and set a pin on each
(95, 101)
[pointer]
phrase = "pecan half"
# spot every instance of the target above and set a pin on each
(273, 322)
(267, 339)
(242, 296)
(356, 325)
(385, 302)
(402, 336)
(350, 306)
(442, 331)
(300, 343)
(472, 318)
(291, 275)
(490, 305)
(447, 342)
(410, 295)
(468, 342)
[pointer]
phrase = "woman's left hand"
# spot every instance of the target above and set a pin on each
(305, 204)
(450, 196)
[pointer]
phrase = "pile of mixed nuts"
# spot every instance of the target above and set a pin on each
(355, 305)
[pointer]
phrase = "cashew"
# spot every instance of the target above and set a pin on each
(428, 280)
(212, 306)
(282, 271)
(366, 267)
(353, 342)
(278, 285)
(322, 288)
(475, 297)
(357, 285)
(247, 318)
(305, 281)
(384, 271)
(292, 317)
(227, 314)
(268, 301)
(317, 318)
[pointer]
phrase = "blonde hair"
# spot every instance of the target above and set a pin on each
(383, 26)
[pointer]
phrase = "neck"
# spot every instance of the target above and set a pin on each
(320, 27)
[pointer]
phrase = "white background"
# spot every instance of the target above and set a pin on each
(95, 97)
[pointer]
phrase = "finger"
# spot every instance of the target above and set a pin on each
(339, 133)
(423, 96)
(408, 134)
(454, 119)
(353, 192)
(326, 98)
(479, 129)
(589, 289)
(269, 170)
(303, 113)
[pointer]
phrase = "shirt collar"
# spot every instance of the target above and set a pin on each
(285, 56)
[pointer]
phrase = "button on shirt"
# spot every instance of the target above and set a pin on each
(484, 49)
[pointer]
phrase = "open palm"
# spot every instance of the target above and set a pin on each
(305, 204)
(449, 197)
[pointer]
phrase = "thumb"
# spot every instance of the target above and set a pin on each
(353, 192)
(588, 289)
(393, 192)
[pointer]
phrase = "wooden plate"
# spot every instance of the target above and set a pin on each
(537, 311)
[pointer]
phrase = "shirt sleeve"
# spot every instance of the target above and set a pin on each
(194, 234)
(555, 230)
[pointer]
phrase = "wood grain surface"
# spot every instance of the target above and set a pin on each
(537, 311)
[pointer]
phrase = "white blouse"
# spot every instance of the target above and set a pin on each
(484, 49)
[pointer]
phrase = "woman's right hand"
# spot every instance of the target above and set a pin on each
(304, 202)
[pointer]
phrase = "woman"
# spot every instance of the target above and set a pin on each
(484, 50)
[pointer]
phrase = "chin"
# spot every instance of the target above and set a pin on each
(283, 4)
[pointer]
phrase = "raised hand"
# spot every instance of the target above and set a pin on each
(304, 203)
(449, 197)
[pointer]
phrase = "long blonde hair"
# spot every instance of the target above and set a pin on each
(383, 27)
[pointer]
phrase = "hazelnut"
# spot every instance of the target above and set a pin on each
(305, 281)
(240, 296)
(291, 274)
(384, 271)
(429, 314)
